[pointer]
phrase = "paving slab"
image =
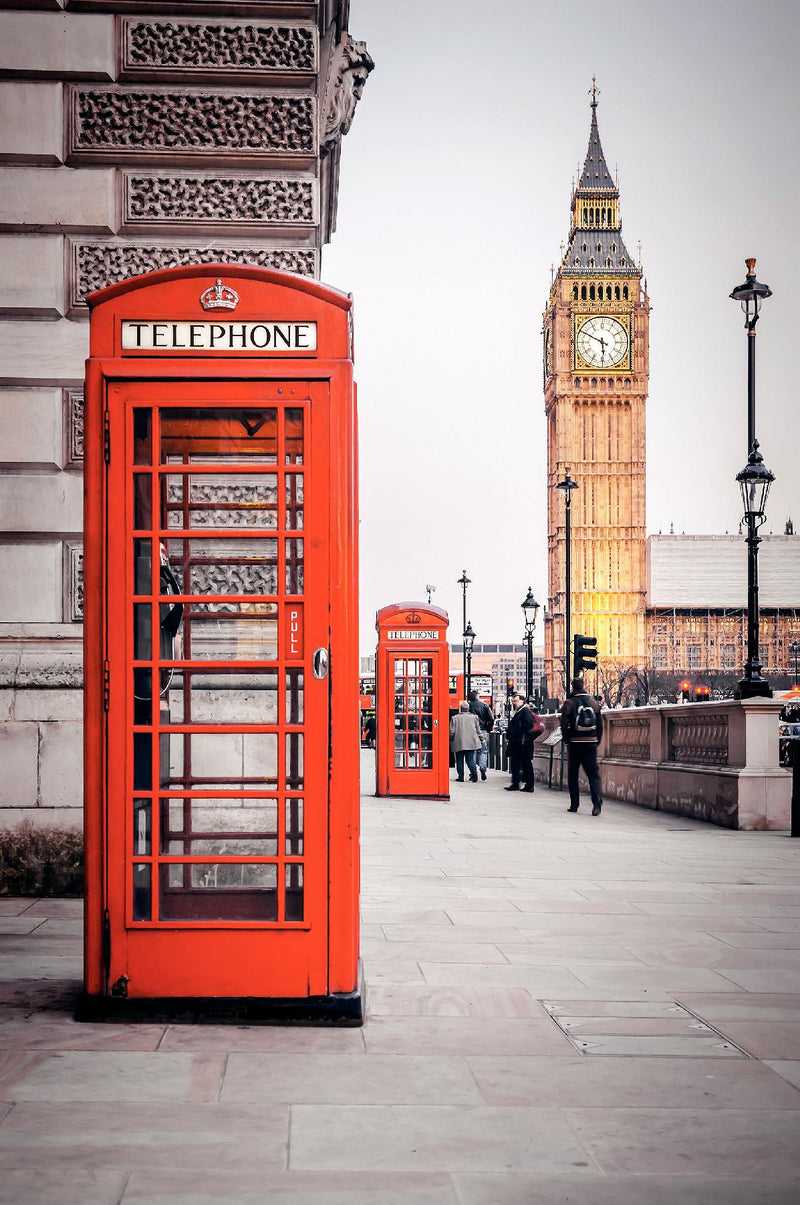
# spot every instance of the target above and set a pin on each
(432, 1139)
(761, 1144)
(633, 1083)
(57, 1188)
(295, 1188)
(621, 1190)
(90, 1136)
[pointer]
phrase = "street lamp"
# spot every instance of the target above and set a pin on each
(750, 295)
(567, 485)
(469, 640)
(754, 481)
(430, 590)
(463, 582)
(530, 609)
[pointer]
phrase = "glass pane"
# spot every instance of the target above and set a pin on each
(142, 501)
(294, 892)
(294, 566)
(219, 826)
(213, 635)
(228, 760)
(142, 437)
(209, 566)
(141, 826)
(142, 761)
(294, 761)
(214, 891)
(294, 437)
(294, 501)
(142, 632)
(222, 500)
(142, 566)
(294, 826)
(142, 892)
(218, 435)
(294, 696)
(223, 698)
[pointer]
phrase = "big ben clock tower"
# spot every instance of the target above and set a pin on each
(596, 363)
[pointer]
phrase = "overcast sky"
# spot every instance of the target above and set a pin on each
(454, 198)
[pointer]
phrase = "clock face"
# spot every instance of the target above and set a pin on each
(602, 342)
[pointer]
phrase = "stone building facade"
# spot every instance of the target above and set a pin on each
(134, 135)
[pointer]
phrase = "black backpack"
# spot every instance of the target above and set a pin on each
(584, 717)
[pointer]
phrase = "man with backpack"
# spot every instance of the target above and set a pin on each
(486, 721)
(582, 728)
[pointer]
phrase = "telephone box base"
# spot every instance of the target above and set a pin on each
(340, 1008)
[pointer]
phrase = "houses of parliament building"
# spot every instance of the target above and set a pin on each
(674, 604)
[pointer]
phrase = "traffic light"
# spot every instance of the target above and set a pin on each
(509, 685)
(585, 654)
(702, 694)
(686, 686)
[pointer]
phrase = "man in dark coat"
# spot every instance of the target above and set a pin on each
(521, 733)
(582, 729)
(486, 721)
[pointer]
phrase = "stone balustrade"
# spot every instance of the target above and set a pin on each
(712, 761)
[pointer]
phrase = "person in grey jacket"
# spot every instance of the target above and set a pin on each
(465, 740)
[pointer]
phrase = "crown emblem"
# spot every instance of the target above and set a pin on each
(219, 297)
(413, 617)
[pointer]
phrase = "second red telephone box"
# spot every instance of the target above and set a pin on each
(411, 670)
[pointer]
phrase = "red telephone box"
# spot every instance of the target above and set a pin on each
(221, 786)
(411, 704)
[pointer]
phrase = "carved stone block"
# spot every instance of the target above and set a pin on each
(254, 201)
(73, 581)
(94, 265)
(115, 123)
(214, 48)
(72, 401)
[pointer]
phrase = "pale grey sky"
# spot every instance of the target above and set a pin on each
(454, 198)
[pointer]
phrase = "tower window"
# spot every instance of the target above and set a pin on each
(599, 247)
(625, 292)
(608, 293)
(613, 246)
(577, 261)
(591, 265)
(608, 261)
(574, 292)
(583, 292)
(616, 292)
(622, 261)
(591, 292)
(584, 247)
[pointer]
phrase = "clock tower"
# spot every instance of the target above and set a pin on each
(596, 364)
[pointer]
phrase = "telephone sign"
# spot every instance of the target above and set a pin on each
(221, 795)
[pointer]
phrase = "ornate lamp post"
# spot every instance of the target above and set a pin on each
(463, 582)
(430, 590)
(754, 482)
(568, 485)
(530, 609)
(469, 640)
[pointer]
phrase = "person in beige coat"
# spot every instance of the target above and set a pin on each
(465, 741)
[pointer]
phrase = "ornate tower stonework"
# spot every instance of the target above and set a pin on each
(134, 135)
(596, 364)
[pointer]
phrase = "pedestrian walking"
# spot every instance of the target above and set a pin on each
(523, 728)
(465, 740)
(370, 731)
(486, 721)
(582, 729)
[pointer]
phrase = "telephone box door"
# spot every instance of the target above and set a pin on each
(218, 588)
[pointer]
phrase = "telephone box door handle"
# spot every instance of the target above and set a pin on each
(320, 663)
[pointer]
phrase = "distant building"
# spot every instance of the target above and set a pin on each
(697, 603)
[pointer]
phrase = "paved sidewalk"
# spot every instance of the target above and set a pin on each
(561, 1009)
